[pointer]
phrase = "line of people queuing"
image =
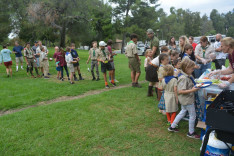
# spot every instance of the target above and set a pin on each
(36, 57)
(172, 73)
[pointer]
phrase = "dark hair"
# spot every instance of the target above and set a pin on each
(175, 62)
(174, 53)
(191, 37)
(68, 49)
(4, 46)
(133, 36)
(170, 43)
(109, 42)
(162, 57)
(27, 43)
(187, 47)
(62, 51)
(164, 48)
(204, 39)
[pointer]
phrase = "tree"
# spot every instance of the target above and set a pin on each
(230, 32)
(218, 21)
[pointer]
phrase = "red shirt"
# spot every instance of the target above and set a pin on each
(194, 46)
(61, 59)
(55, 55)
(231, 59)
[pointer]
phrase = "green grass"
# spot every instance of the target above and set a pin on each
(118, 122)
(21, 90)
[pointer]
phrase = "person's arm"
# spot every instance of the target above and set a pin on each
(88, 59)
(194, 89)
(26, 59)
(1, 59)
(176, 94)
(227, 71)
(154, 49)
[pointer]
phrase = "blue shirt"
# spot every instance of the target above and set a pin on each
(74, 53)
(5, 55)
(18, 50)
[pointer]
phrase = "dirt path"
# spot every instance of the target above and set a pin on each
(64, 98)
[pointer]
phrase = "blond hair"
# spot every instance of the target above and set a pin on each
(228, 41)
(168, 70)
(186, 41)
(147, 52)
(186, 63)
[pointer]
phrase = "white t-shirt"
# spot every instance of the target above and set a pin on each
(219, 55)
(155, 61)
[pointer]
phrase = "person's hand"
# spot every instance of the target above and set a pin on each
(195, 89)
(27, 63)
(203, 61)
(212, 56)
(214, 73)
(224, 84)
(87, 62)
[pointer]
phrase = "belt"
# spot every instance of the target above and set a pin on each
(94, 60)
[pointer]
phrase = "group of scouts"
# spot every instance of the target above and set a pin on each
(171, 77)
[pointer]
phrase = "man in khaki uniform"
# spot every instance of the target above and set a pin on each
(104, 58)
(134, 60)
(154, 42)
(30, 59)
(93, 53)
(44, 61)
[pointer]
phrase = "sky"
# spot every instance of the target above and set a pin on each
(202, 6)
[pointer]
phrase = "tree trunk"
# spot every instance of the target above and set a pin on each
(63, 36)
(125, 25)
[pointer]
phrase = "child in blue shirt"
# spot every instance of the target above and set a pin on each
(5, 56)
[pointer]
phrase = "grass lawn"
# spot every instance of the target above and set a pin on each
(118, 122)
(22, 90)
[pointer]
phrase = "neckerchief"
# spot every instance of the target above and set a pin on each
(130, 42)
(94, 53)
(180, 74)
(168, 78)
(204, 51)
(104, 53)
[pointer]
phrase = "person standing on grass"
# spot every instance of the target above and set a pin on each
(76, 65)
(93, 53)
(134, 60)
(38, 51)
(30, 60)
(56, 53)
(154, 43)
(62, 63)
(109, 44)
(104, 58)
(44, 62)
(70, 61)
(169, 84)
(35, 53)
(5, 56)
(220, 56)
(186, 97)
(18, 55)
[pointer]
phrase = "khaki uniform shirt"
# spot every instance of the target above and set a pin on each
(154, 42)
(93, 53)
(103, 55)
(131, 49)
(29, 53)
(185, 83)
(160, 75)
(208, 50)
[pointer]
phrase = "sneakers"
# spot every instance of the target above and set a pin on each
(93, 79)
(170, 129)
(98, 79)
(38, 76)
(68, 79)
(62, 79)
(72, 82)
(137, 85)
(75, 79)
(193, 135)
(81, 78)
(46, 77)
(33, 76)
(114, 85)
(116, 80)
(133, 84)
(107, 86)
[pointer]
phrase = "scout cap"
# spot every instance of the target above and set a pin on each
(102, 44)
(150, 31)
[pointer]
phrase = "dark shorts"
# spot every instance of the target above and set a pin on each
(76, 64)
(105, 67)
(7, 64)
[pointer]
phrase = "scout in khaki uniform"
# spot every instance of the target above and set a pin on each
(104, 58)
(154, 43)
(30, 59)
(44, 61)
(134, 60)
(186, 88)
(93, 53)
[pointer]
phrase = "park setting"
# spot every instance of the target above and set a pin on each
(116, 77)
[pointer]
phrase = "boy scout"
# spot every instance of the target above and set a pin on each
(44, 61)
(134, 60)
(30, 59)
(93, 52)
(104, 57)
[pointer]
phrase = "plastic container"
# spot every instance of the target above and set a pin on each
(216, 147)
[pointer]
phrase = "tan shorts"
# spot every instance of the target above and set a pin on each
(134, 64)
(19, 59)
(71, 68)
(31, 63)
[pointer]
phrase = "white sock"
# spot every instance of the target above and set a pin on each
(21, 67)
(17, 67)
